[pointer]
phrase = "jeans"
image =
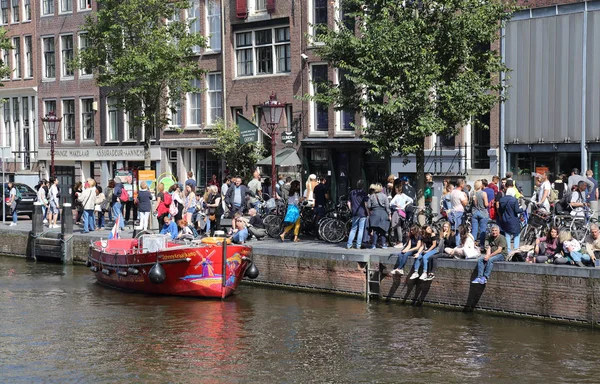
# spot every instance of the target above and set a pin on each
(479, 222)
(43, 212)
(488, 265)
(117, 212)
(424, 259)
(516, 237)
(14, 215)
(378, 233)
(402, 258)
(240, 236)
(578, 256)
(457, 218)
(88, 220)
(358, 225)
(101, 219)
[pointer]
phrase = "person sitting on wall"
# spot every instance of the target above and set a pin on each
(495, 251)
(429, 248)
(412, 245)
(466, 249)
(256, 227)
(240, 232)
(546, 248)
(169, 228)
(184, 230)
(447, 240)
(592, 242)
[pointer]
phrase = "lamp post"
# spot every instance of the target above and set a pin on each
(272, 111)
(51, 123)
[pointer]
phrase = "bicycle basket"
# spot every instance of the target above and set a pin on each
(536, 220)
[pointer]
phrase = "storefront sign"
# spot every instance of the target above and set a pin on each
(198, 143)
(99, 153)
(248, 131)
(147, 177)
(289, 137)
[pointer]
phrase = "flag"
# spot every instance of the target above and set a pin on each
(114, 232)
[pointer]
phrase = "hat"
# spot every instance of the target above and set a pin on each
(117, 179)
(312, 176)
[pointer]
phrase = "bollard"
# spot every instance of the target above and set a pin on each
(66, 229)
(37, 227)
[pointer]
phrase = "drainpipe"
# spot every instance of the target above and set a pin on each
(223, 78)
(584, 154)
(501, 151)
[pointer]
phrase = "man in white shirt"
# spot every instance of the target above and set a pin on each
(578, 200)
(458, 201)
(256, 187)
(53, 204)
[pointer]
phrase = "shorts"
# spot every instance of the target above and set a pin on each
(191, 210)
(53, 208)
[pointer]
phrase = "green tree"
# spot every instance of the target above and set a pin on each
(241, 158)
(142, 51)
(414, 68)
(6, 45)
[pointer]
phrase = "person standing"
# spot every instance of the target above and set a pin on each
(53, 204)
(592, 197)
(321, 195)
(398, 205)
(236, 197)
(578, 202)
(495, 251)
(117, 210)
(13, 202)
(162, 205)
(144, 203)
(87, 198)
(41, 198)
(358, 205)
(508, 212)
(543, 192)
(458, 202)
(192, 182)
(292, 216)
(100, 198)
(189, 203)
(309, 195)
(256, 187)
(480, 212)
(285, 188)
(380, 216)
(224, 189)
(108, 194)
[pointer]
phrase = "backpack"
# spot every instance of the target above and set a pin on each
(194, 232)
(124, 196)
(105, 205)
(565, 202)
(553, 196)
(167, 199)
(18, 196)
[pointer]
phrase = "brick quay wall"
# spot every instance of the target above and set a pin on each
(546, 292)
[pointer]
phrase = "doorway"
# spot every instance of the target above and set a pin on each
(66, 179)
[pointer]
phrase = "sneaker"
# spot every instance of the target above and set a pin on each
(414, 276)
(483, 280)
(400, 272)
(12, 224)
(423, 276)
(393, 271)
(384, 246)
(476, 281)
(348, 246)
(399, 245)
(45, 221)
(358, 246)
(372, 247)
(430, 276)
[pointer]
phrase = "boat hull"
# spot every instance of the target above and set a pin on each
(200, 270)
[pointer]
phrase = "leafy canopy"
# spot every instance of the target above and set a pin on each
(142, 50)
(414, 68)
(5, 45)
(240, 158)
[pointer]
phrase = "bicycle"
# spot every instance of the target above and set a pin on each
(577, 225)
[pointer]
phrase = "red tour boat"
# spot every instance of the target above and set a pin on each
(156, 264)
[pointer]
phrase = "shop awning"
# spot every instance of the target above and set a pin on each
(286, 157)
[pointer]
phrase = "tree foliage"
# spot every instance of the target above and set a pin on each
(241, 158)
(415, 68)
(6, 45)
(142, 50)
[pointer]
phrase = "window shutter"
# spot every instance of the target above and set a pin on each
(271, 6)
(241, 9)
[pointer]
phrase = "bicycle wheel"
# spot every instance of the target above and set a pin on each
(322, 223)
(273, 225)
(334, 231)
(578, 229)
(529, 236)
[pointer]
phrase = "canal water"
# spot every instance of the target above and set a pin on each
(58, 326)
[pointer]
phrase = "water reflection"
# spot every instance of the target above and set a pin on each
(58, 325)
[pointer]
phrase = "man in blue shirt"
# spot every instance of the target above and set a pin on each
(170, 228)
(358, 204)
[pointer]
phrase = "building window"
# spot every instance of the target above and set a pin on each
(49, 58)
(25, 108)
(113, 119)
(66, 5)
(213, 25)
(87, 119)
(27, 13)
(4, 5)
(132, 129)
(175, 109)
(257, 50)
(347, 117)
(6, 60)
(17, 57)
(68, 121)
(320, 120)
(260, 5)
(194, 21)
(84, 43)
(47, 7)
(28, 57)
(66, 44)
(194, 104)
(215, 106)
(85, 4)
(15, 11)
(49, 106)
(7, 133)
(319, 17)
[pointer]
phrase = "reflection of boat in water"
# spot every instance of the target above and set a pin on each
(155, 264)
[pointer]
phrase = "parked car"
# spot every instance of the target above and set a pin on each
(25, 205)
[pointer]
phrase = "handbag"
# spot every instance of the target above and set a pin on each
(292, 214)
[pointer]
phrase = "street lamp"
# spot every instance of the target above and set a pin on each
(51, 123)
(272, 111)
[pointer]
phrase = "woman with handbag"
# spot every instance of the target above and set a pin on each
(87, 199)
(380, 215)
(398, 206)
(213, 202)
(100, 198)
(292, 216)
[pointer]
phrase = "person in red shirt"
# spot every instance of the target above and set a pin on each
(494, 184)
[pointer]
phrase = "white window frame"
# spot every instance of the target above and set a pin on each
(64, 120)
(82, 118)
(84, 5)
(194, 21)
(15, 17)
(44, 68)
(210, 120)
(175, 119)
(28, 48)
(47, 8)
(16, 58)
(253, 48)
(6, 59)
(312, 124)
(64, 62)
(311, 22)
(82, 36)
(26, 10)
(5, 6)
(127, 125)
(110, 107)
(191, 108)
(339, 115)
(210, 17)
(64, 7)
